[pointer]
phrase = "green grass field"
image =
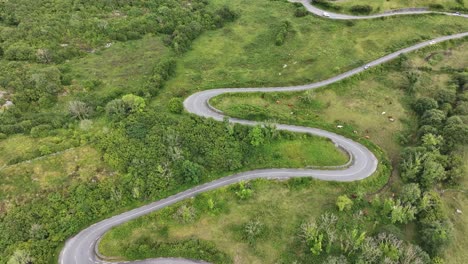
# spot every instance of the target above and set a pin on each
(458, 199)
(119, 68)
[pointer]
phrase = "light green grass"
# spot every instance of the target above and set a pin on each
(120, 68)
(458, 199)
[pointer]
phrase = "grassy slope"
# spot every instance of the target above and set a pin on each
(120, 67)
(244, 53)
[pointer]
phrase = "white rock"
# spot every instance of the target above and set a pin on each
(339, 126)
(284, 66)
(459, 211)
(108, 45)
(383, 113)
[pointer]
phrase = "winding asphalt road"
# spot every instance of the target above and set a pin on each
(81, 249)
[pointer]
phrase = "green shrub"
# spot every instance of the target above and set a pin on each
(361, 9)
(40, 131)
(176, 105)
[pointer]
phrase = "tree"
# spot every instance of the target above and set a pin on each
(432, 142)
(344, 203)
(423, 104)
(455, 133)
(244, 191)
(256, 136)
(20, 256)
(176, 105)
(191, 171)
(433, 117)
(313, 237)
(410, 193)
(185, 214)
(135, 104)
(436, 235)
(461, 108)
(402, 213)
(411, 163)
(433, 171)
(79, 110)
(116, 109)
(412, 254)
(455, 168)
(446, 96)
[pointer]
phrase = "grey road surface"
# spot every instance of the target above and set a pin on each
(81, 249)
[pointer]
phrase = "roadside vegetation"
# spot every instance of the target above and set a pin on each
(363, 7)
(91, 111)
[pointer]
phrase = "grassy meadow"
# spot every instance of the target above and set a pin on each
(244, 54)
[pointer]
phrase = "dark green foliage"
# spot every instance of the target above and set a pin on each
(361, 9)
(155, 153)
(410, 193)
(423, 104)
(191, 249)
(433, 117)
(190, 172)
(162, 71)
(282, 32)
(446, 96)
(82, 26)
(327, 5)
(300, 11)
(41, 130)
(455, 133)
(461, 108)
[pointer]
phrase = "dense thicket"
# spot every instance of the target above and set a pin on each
(432, 160)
